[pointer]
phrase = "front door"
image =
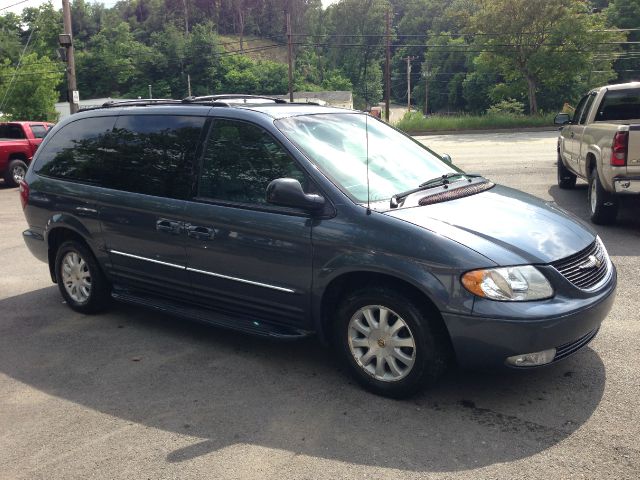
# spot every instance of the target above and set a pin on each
(244, 256)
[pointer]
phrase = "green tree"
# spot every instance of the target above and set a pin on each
(543, 43)
(30, 93)
(626, 14)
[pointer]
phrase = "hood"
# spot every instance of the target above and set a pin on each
(507, 226)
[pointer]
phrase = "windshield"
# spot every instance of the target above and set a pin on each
(337, 144)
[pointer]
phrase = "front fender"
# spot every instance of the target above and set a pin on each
(441, 286)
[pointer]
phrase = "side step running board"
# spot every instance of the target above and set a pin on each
(253, 327)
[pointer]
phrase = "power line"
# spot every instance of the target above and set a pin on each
(13, 5)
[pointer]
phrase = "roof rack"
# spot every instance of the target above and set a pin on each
(231, 96)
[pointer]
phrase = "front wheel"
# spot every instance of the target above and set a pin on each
(566, 179)
(15, 173)
(603, 205)
(80, 279)
(388, 342)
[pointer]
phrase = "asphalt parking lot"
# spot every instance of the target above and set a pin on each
(133, 394)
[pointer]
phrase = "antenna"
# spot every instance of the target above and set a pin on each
(366, 131)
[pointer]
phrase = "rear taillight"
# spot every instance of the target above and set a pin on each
(619, 149)
(24, 193)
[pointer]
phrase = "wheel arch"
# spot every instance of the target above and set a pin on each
(55, 237)
(346, 282)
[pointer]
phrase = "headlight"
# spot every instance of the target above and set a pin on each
(516, 284)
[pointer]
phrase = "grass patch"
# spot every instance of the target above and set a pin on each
(414, 122)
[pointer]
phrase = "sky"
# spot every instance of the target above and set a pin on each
(58, 3)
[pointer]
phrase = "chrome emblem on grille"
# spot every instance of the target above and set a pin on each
(589, 263)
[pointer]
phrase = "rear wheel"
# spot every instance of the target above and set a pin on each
(566, 179)
(15, 173)
(603, 205)
(80, 279)
(389, 342)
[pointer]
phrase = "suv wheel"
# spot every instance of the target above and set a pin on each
(15, 173)
(603, 205)
(388, 342)
(80, 279)
(566, 179)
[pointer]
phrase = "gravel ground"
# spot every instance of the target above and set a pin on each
(133, 394)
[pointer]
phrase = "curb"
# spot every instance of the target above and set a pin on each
(468, 132)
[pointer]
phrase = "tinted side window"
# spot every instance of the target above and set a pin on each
(239, 162)
(579, 109)
(155, 154)
(38, 131)
(12, 131)
(78, 150)
(587, 108)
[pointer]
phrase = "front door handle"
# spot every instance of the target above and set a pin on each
(200, 232)
(168, 226)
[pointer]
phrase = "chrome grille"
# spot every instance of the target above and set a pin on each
(580, 269)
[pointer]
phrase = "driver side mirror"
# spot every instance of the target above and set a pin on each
(562, 119)
(288, 192)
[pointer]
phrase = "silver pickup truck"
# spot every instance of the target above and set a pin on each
(601, 144)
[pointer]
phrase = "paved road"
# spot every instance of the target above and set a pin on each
(132, 394)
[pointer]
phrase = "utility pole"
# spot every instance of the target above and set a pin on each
(426, 88)
(387, 69)
(66, 41)
(408, 59)
(189, 84)
(150, 95)
(289, 57)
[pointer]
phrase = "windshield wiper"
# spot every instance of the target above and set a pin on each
(442, 180)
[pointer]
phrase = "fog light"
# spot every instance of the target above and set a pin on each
(532, 359)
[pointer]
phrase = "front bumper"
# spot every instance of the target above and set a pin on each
(485, 342)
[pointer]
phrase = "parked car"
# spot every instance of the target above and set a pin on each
(288, 220)
(18, 143)
(601, 144)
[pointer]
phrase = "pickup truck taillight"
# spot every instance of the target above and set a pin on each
(24, 193)
(619, 149)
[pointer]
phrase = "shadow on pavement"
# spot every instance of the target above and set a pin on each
(618, 237)
(228, 388)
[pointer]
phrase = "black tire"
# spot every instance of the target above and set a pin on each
(16, 171)
(566, 179)
(431, 344)
(603, 205)
(99, 289)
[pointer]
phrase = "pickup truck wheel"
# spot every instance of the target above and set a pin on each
(603, 205)
(566, 179)
(15, 173)
(80, 279)
(388, 342)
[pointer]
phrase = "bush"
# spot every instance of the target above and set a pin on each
(414, 122)
(508, 106)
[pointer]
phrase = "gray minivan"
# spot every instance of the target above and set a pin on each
(287, 220)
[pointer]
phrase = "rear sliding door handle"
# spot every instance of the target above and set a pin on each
(168, 226)
(200, 232)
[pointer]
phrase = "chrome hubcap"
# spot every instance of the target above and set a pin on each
(18, 174)
(76, 277)
(381, 343)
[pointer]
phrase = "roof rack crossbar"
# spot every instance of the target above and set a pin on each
(231, 96)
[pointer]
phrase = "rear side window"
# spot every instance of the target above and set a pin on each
(149, 154)
(78, 150)
(240, 160)
(39, 131)
(11, 131)
(155, 154)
